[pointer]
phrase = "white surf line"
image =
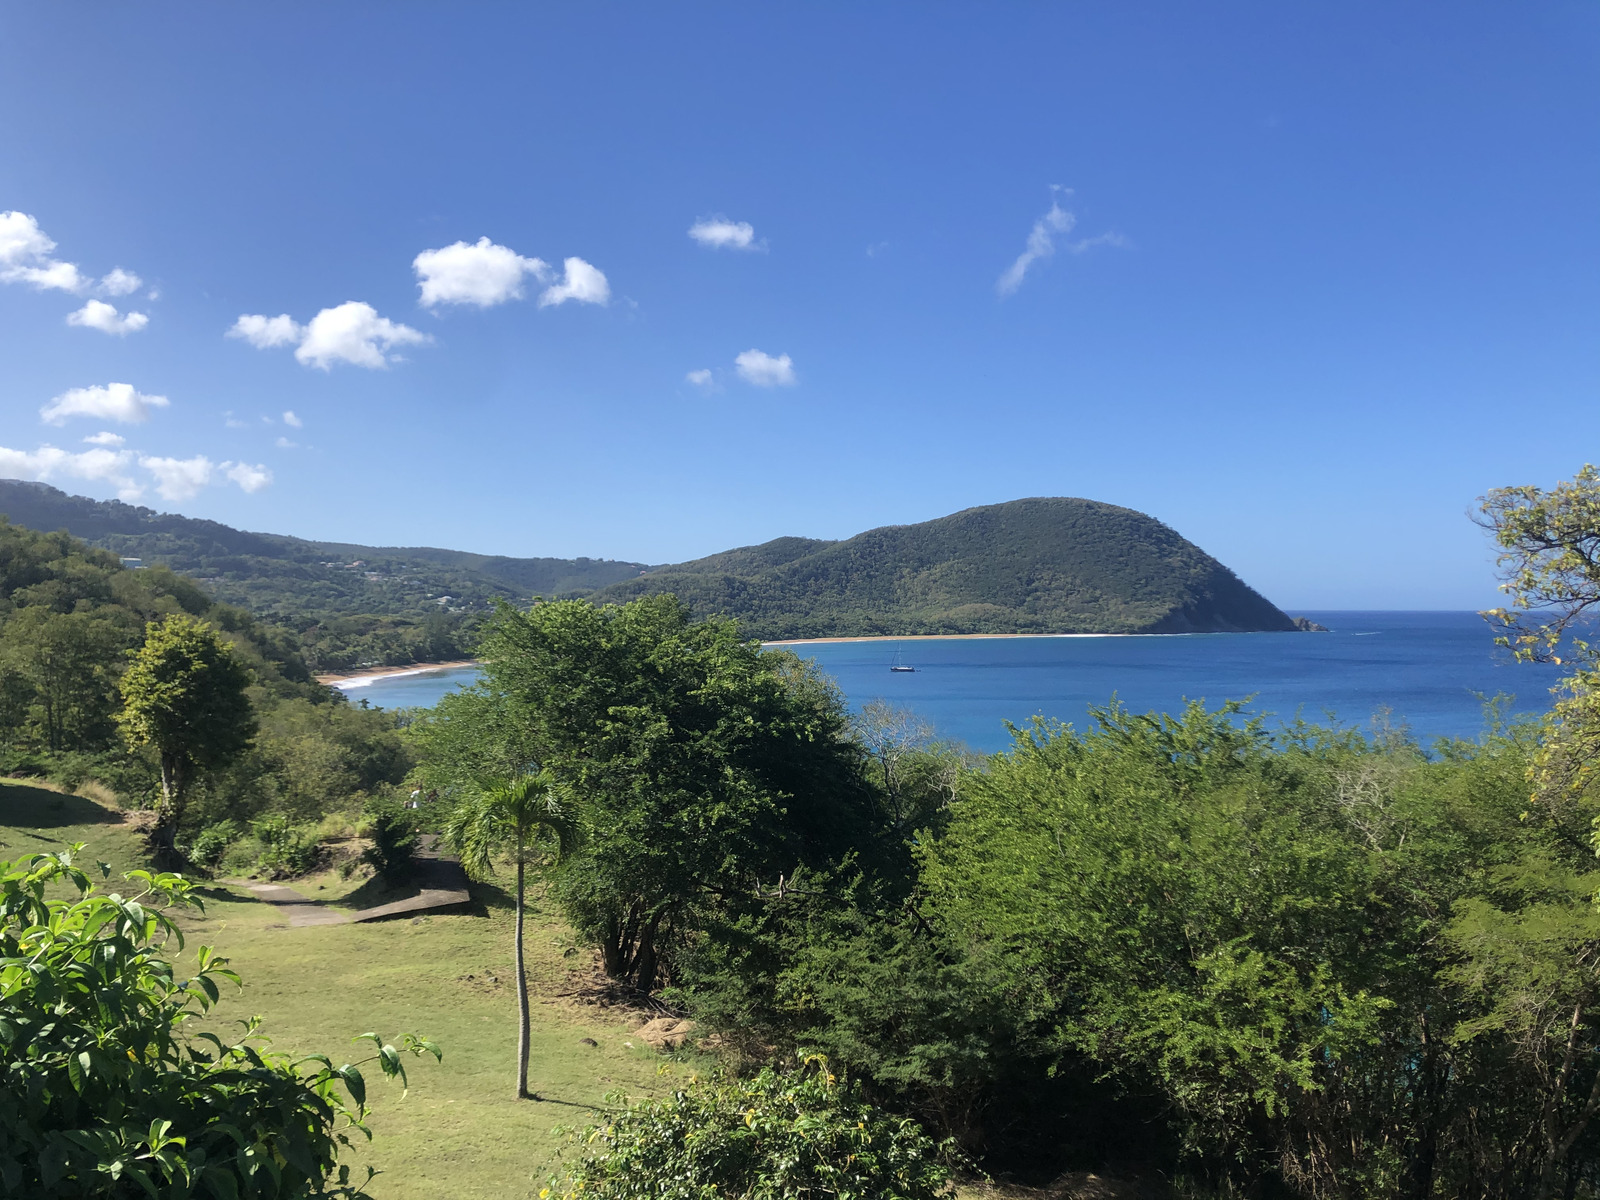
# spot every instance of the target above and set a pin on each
(344, 685)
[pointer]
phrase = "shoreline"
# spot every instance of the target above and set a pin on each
(953, 637)
(368, 674)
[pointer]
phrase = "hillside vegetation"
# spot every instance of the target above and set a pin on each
(351, 605)
(1028, 566)
(1053, 565)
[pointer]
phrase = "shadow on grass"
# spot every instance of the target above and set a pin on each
(39, 808)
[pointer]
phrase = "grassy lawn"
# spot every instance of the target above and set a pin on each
(458, 1133)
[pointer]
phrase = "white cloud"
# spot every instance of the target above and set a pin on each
(761, 369)
(292, 421)
(179, 478)
(353, 332)
(251, 479)
(48, 463)
(121, 283)
(480, 273)
(21, 239)
(284, 443)
(1042, 243)
(97, 314)
(266, 332)
(114, 402)
(25, 256)
(105, 438)
(582, 282)
(700, 378)
(719, 233)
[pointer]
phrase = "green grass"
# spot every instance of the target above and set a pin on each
(458, 1133)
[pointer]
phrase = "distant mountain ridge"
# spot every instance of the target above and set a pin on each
(275, 574)
(1042, 565)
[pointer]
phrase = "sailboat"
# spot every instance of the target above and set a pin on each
(897, 665)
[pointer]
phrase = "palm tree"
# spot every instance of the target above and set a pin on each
(500, 818)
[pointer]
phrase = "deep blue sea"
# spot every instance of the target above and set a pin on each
(1431, 670)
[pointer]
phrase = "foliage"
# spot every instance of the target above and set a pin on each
(103, 1095)
(701, 768)
(212, 842)
(1029, 566)
(286, 850)
(184, 696)
(1550, 563)
(350, 606)
(770, 1137)
(393, 830)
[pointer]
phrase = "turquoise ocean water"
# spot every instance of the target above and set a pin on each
(1430, 669)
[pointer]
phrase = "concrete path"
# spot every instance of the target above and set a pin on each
(301, 910)
(439, 877)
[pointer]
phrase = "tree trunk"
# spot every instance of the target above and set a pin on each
(166, 834)
(522, 989)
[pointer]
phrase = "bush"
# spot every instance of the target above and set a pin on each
(286, 850)
(212, 842)
(393, 830)
(103, 1096)
(777, 1135)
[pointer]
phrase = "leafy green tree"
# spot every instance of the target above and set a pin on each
(519, 818)
(104, 1095)
(774, 1136)
(701, 768)
(184, 695)
(69, 663)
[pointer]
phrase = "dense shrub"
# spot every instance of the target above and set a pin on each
(100, 1093)
(212, 842)
(393, 830)
(771, 1137)
(286, 849)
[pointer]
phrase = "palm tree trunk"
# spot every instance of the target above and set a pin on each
(522, 990)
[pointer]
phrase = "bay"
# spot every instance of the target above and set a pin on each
(1430, 670)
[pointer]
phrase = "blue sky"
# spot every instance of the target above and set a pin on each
(1308, 278)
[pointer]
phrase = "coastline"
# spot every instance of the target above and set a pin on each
(368, 674)
(952, 637)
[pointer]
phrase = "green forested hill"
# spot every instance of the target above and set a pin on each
(1029, 566)
(351, 605)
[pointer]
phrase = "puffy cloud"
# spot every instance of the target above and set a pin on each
(351, 332)
(48, 463)
(719, 233)
(1042, 243)
(179, 478)
(582, 282)
(105, 438)
(21, 239)
(761, 369)
(25, 256)
(266, 332)
(251, 478)
(97, 314)
(120, 283)
(114, 402)
(700, 378)
(480, 273)
(291, 420)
